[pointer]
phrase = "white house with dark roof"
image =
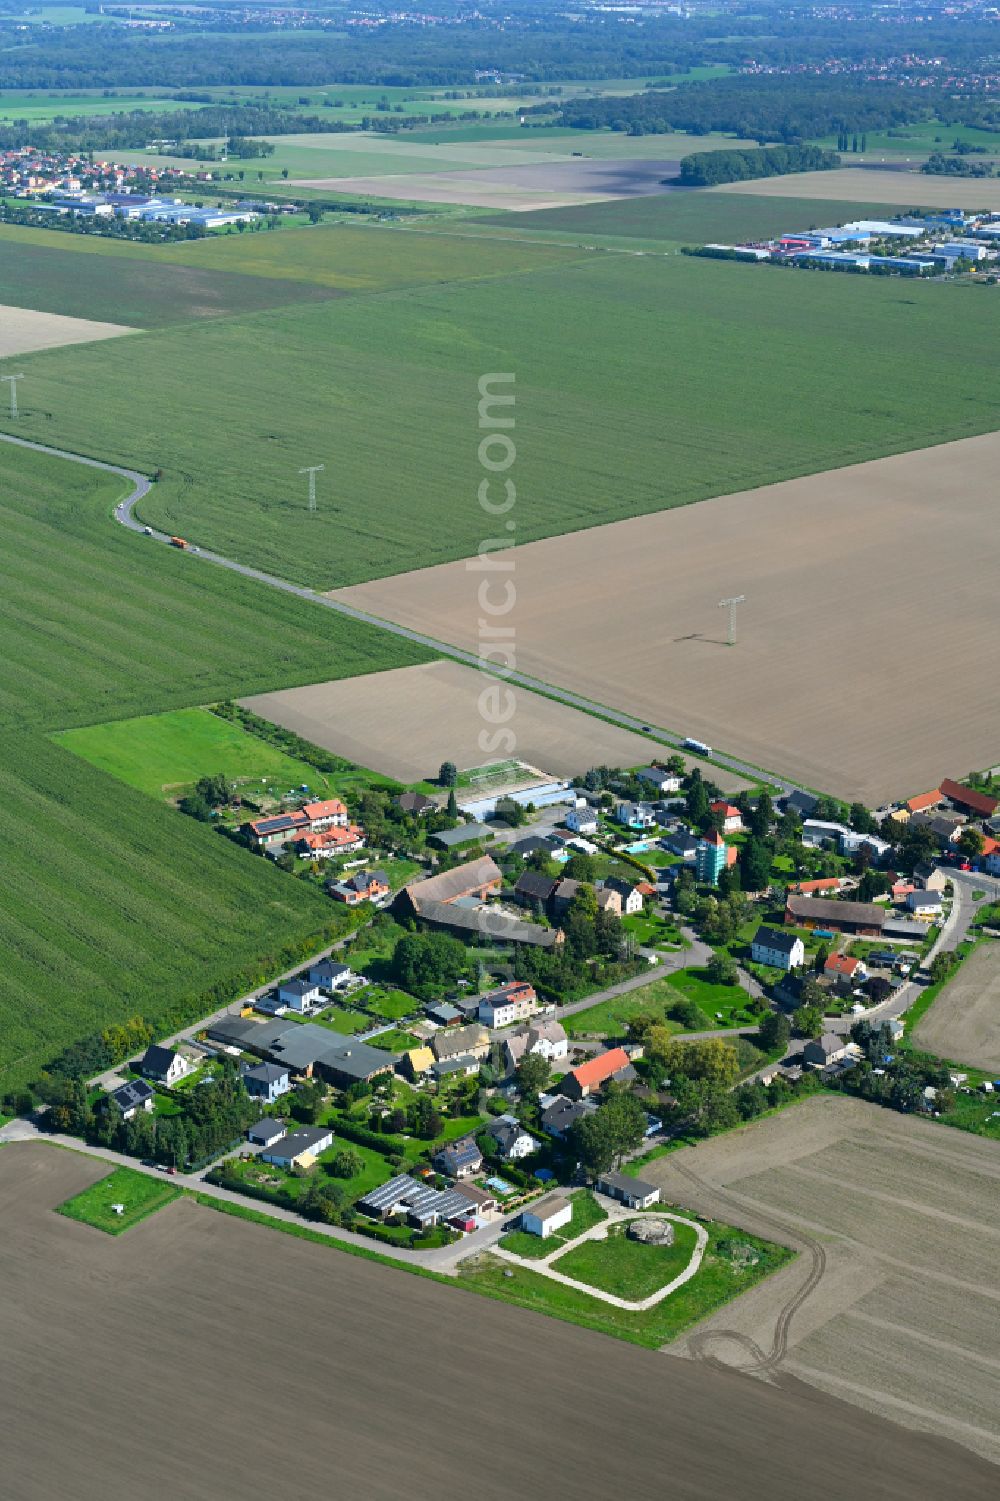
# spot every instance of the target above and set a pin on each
(778, 949)
(164, 1065)
(299, 995)
(546, 1216)
(133, 1097)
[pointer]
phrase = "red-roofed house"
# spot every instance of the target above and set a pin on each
(732, 818)
(596, 1072)
(842, 967)
(924, 800)
(328, 814)
(332, 841)
(818, 887)
(974, 802)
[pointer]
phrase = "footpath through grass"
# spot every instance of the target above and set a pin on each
(139, 1194)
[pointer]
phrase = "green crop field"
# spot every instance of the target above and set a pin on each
(115, 904)
(160, 753)
(686, 218)
(655, 410)
(45, 269)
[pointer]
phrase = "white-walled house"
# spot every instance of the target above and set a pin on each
(164, 1064)
(778, 949)
(581, 820)
(299, 995)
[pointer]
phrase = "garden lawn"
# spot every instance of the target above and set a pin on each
(717, 1281)
(724, 1005)
(395, 1041)
(625, 1267)
(345, 1022)
(375, 1169)
(586, 1213)
(160, 753)
(390, 1005)
(141, 1195)
(654, 1000)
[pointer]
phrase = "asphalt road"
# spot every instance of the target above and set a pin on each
(140, 486)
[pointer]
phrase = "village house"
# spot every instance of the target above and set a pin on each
(329, 975)
(274, 833)
(459, 1159)
(819, 833)
(732, 818)
(925, 906)
(328, 814)
(299, 995)
(779, 950)
(452, 1042)
(300, 1148)
(631, 897)
(545, 1038)
(829, 1049)
(581, 820)
(164, 1065)
(561, 1113)
(845, 971)
(609, 900)
(266, 1081)
(415, 1062)
(366, 886)
(822, 886)
(513, 1002)
(415, 803)
(661, 781)
(636, 815)
(132, 1097)
(512, 1141)
(930, 877)
(420, 1204)
(322, 844)
(596, 1072)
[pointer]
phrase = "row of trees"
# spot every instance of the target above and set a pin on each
(210, 1120)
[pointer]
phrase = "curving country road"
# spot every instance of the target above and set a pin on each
(141, 484)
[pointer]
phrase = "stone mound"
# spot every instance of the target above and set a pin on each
(651, 1232)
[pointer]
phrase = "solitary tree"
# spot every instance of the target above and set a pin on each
(448, 774)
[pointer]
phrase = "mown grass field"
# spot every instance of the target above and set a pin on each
(139, 1195)
(160, 753)
(112, 904)
(655, 410)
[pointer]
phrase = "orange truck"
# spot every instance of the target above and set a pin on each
(177, 542)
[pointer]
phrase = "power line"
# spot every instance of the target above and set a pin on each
(730, 605)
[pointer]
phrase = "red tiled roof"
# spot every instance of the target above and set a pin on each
(977, 801)
(840, 964)
(924, 800)
(823, 883)
(726, 809)
(330, 807)
(596, 1070)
